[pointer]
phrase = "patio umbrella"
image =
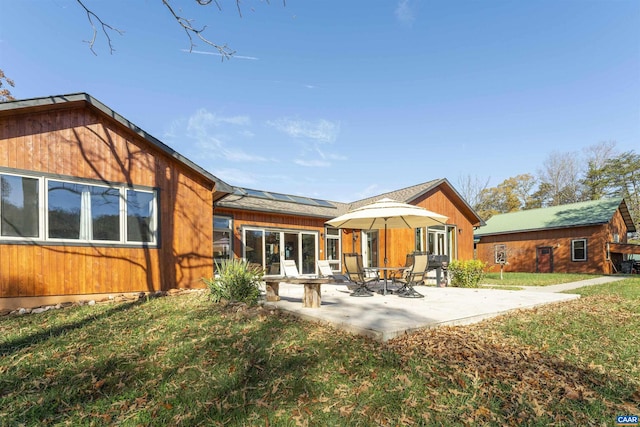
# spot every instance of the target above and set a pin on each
(387, 213)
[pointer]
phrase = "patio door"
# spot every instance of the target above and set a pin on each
(370, 248)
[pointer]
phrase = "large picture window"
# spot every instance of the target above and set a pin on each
(41, 208)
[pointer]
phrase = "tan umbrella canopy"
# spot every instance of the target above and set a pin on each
(387, 213)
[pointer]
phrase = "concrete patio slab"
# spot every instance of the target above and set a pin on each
(383, 317)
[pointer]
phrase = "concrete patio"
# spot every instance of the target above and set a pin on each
(383, 317)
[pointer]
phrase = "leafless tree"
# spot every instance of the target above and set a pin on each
(560, 179)
(599, 154)
(186, 24)
(471, 189)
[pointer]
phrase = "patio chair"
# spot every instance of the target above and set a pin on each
(290, 268)
(356, 274)
(416, 275)
(325, 268)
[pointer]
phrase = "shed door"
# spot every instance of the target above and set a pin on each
(544, 258)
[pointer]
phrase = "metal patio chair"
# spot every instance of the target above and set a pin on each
(415, 276)
(356, 274)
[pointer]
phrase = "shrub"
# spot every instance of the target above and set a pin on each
(466, 274)
(236, 280)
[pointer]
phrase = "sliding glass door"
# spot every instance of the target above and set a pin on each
(269, 248)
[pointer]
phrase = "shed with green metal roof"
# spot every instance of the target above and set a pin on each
(584, 237)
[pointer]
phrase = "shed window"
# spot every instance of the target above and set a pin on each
(579, 250)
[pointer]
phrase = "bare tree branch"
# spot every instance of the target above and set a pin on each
(189, 30)
(103, 25)
(185, 23)
(5, 93)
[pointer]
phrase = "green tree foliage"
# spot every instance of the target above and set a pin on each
(512, 194)
(622, 177)
(567, 178)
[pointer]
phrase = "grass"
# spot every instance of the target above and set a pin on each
(185, 361)
(532, 279)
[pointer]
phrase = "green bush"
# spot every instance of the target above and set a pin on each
(466, 274)
(236, 280)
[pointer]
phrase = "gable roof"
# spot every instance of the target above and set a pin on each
(84, 99)
(267, 201)
(410, 194)
(592, 212)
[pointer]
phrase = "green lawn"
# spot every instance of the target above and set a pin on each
(184, 361)
(532, 279)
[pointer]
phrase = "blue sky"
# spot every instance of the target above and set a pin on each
(345, 100)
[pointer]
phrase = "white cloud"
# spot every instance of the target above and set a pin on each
(312, 163)
(201, 52)
(205, 136)
(239, 177)
(404, 13)
(321, 130)
(203, 119)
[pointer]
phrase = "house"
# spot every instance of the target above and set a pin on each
(265, 227)
(584, 237)
(91, 205)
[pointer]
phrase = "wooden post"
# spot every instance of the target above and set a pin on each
(311, 295)
(272, 289)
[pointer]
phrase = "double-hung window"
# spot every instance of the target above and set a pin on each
(579, 250)
(40, 208)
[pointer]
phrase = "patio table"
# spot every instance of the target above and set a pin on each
(386, 271)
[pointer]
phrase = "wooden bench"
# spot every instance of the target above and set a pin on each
(312, 285)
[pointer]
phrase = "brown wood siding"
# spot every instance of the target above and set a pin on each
(521, 250)
(81, 143)
(442, 201)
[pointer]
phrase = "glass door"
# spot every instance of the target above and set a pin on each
(370, 247)
(272, 252)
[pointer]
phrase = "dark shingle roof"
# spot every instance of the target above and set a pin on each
(265, 201)
(244, 198)
(592, 212)
(241, 200)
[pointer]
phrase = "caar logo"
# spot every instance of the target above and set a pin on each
(627, 420)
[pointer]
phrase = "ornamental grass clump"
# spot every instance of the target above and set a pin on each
(236, 280)
(466, 273)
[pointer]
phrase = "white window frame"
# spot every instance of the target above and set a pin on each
(282, 232)
(573, 250)
(333, 234)
(43, 212)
